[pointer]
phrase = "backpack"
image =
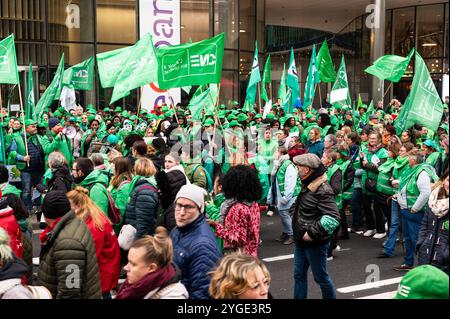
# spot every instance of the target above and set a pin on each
(114, 214)
(209, 181)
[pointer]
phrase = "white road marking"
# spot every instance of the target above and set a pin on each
(385, 295)
(369, 285)
(277, 258)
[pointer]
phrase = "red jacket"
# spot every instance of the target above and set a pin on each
(241, 228)
(9, 223)
(108, 254)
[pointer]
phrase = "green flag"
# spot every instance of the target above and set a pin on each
(140, 68)
(29, 100)
(81, 75)
(370, 109)
(282, 88)
(110, 64)
(267, 79)
(203, 99)
(52, 92)
(191, 63)
(360, 102)
(292, 81)
(255, 78)
(325, 64)
(423, 105)
(312, 80)
(340, 93)
(8, 61)
(2, 147)
(390, 67)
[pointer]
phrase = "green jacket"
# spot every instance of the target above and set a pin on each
(385, 172)
(196, 174)
(212, 211)
(11, 189)
(69, 252)
(51, 143)
(97, 182)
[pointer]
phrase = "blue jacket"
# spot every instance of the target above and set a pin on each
(142, 209)
(195, 252)
(432, 244)
(316, 148)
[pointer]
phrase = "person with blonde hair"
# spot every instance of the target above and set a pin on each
(315, 144)
(105, 240)
(141, 211)
(151, 273)
(240, 276)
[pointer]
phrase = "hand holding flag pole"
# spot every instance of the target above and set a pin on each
(23, 121)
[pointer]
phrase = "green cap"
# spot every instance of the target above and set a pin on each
(133, 117)
(258, 116)
(118, 109)
(91, 118)
(57, 113)
(233, 123)
(231, 117)
(222, 106)
(125, 114)
(430, 143)
(151, 116)
(30, 122)
(42, 124)
(234, 103)
(270, 116)
(242, 117)
(72, 119)
(423, 282)
(106, 109)
(364, 106)
(208, 122)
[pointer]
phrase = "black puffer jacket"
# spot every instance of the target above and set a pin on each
(142, 210)
(314, 201)
(432, 244)
(62, 180)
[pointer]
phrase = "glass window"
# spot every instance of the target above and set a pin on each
(434, 65)
(387, 44)
(24, 18)
(73, 52)
(35, 53)
(70, 21)
(430, 30)
(403, 31)
(228, 86)
(261, 24)
(247, 24)
(194, 20)
(225, 20)
(230, 59)
(116, 21)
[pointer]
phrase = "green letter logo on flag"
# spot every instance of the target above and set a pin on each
(339, 93)
(8, 61)
(292, 82)
(390, 67)
(81, 75)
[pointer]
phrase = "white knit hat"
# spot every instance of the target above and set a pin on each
(194, 193)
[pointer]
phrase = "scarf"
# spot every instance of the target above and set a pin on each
(439, 206)
(46, 235)
(148, 283)
(135, 179)
(226, 206)
(374, 149)
(315, 174)
(400, 162)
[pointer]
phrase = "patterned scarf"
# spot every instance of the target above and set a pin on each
(439, 206)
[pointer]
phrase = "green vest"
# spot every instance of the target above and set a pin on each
(381, 154)
(412, 191)
(330, 172)
(432, 158)
(385, 173)
(21, 149)
(281, 175)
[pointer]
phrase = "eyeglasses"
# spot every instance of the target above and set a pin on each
(186, 207)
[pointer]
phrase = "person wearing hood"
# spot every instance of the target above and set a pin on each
(151, 274)
(94, 180)
(172, 162)
(9, 223)
(285, 189)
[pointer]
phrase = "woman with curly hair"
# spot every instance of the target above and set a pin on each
(239, 276)
(238, 225)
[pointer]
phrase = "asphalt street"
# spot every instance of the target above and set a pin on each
(355, 270)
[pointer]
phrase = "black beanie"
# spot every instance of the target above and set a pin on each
(55, 205)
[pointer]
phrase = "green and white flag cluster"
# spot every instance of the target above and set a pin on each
(8, 61)
(187, 64)
(390, 67)
(312, 80)
(340, 94)
(423, 105)
(205, 98)
(255, 78)
(52, 92)
(292, 82)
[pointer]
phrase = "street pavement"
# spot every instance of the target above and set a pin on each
(355, 270)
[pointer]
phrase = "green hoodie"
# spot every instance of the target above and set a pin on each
(10, 189)
(97, 182)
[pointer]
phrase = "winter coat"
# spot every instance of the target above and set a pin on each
(314, 201)
(196, 253)
(61, 180)
(432, 243)
(108, 254)
(241, 228)
(120, 196)
(316, 148)
(51, 143)
(70, 251)
(97, 182)
(11, 274)
(9, 223)
(142, 209)
(176, 180)
(196, 174)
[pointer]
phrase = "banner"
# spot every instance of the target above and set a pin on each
(8, 61)
(162, 19)
(81, 75)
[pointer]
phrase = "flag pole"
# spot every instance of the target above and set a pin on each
(270, 89)
(320, 96)
(139, 103)
(1, 107)
(23, 120)
(173, 106)
(387, 90)
(259, 96)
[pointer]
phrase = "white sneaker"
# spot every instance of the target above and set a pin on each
(369, 233)
(329, 258)
(379, 235)
(338, 248)
(386, 226)
(270, 213)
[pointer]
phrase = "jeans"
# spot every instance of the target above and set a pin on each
(389, 247)
(317, 258)
(30, 180)
(286, 221)
(356, 203)
(411, 226)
